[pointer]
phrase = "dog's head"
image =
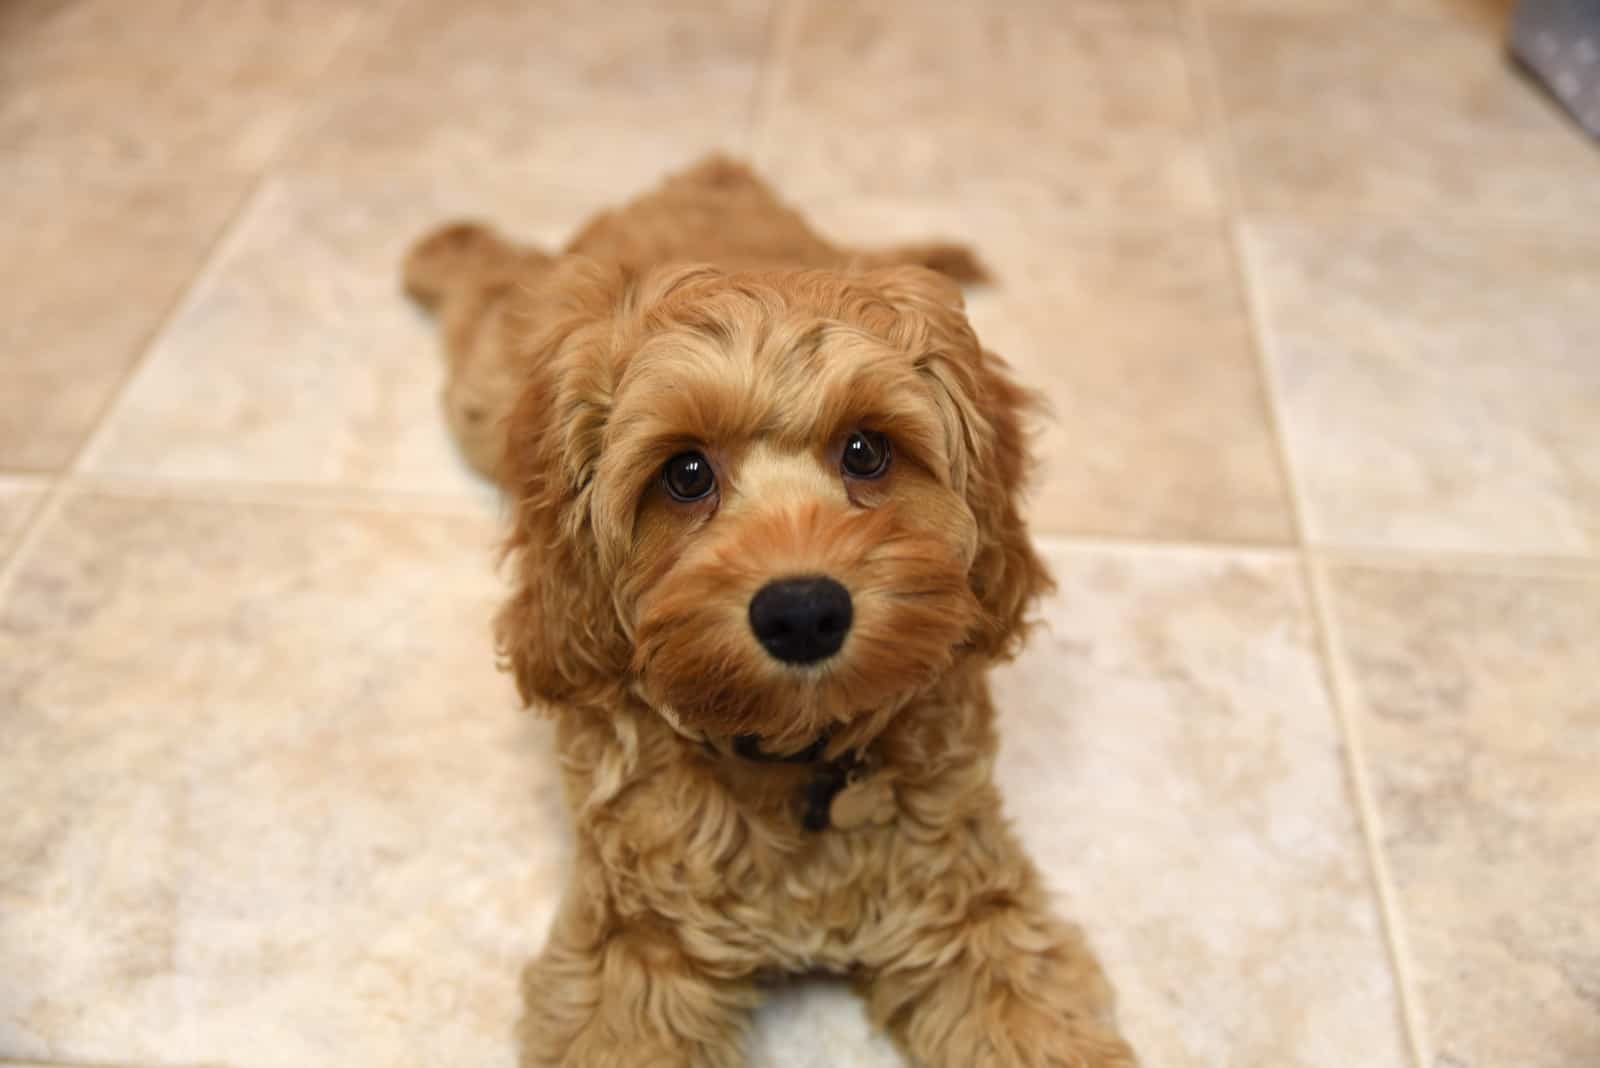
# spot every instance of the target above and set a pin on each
(773, 504)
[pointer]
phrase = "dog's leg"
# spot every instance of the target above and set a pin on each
(465, 273)
(1003, 985)
(602, 994)
(950, 258)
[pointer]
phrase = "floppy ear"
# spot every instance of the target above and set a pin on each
(559, 633)
(985, 413)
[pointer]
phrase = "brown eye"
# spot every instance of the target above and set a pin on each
(688, 477)
(866, 454)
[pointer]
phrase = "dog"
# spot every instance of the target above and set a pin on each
(766, 543)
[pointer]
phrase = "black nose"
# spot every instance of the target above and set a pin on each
(801, 620)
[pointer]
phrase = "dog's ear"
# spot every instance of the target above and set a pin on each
(985, 412)
(560, 633)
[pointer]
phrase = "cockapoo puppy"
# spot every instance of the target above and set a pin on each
(766, 545)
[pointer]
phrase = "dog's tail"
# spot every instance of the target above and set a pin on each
(956, 261)
(461, 259)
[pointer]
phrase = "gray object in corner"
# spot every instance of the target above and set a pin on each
(1559, 42)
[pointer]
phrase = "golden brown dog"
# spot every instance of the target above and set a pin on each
(766, 545)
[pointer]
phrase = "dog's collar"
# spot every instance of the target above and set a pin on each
(831, 778)
(828, 779)
(843, 792)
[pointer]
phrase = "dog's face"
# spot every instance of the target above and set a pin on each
(774, 505)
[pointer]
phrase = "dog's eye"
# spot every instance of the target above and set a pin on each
(688, 477)
(866, 454)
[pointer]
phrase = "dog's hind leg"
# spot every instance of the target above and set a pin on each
(453, 261)
(465, 274)
(953, 260)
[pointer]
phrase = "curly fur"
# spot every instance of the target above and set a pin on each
(708, 315)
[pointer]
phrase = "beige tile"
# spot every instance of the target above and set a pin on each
(280, 809)
(298, 358)
(103, 1064)
(1481, 722)
(216, 83)
(1438, 382)
(606, 96)
(818, 1023)
(1399, 115)
(1137, 336)
(96, 265)
(99, 1064)
(18, 499)
(270, 802)
(1170, 756)
(972, 97)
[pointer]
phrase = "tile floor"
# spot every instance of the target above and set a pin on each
(1309, 743)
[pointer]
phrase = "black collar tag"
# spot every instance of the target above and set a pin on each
(817, 799)
(830, 777)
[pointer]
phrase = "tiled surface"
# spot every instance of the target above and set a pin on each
(1411, 116)
(208, 84)
(1138, 338)
(1137, 335)
(1484, 13)
(94, 262)
(46, 1064)
(1299, 293)
(499, 86)
(1439, 381)
(296, 359)
(18, 499)
(1481, 714)
(1081, 97)
(236, 741)
(1168, 733)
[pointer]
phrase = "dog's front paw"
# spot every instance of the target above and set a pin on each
(1043, 1039)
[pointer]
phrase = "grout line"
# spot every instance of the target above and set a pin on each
(229, 234)
(22, 546)
(1208, 98)
(222, 246)
(483, 501)
(286, 494)
(215, 254)
(1349, 708)
(11, 546)
(32, 530)
(1132, 542)
(1437, 561)
(1352, 216)
(51, 1062)
(1460, 562)
(1201, 62)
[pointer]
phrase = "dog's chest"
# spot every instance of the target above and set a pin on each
(817, 907)
(749, 891)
